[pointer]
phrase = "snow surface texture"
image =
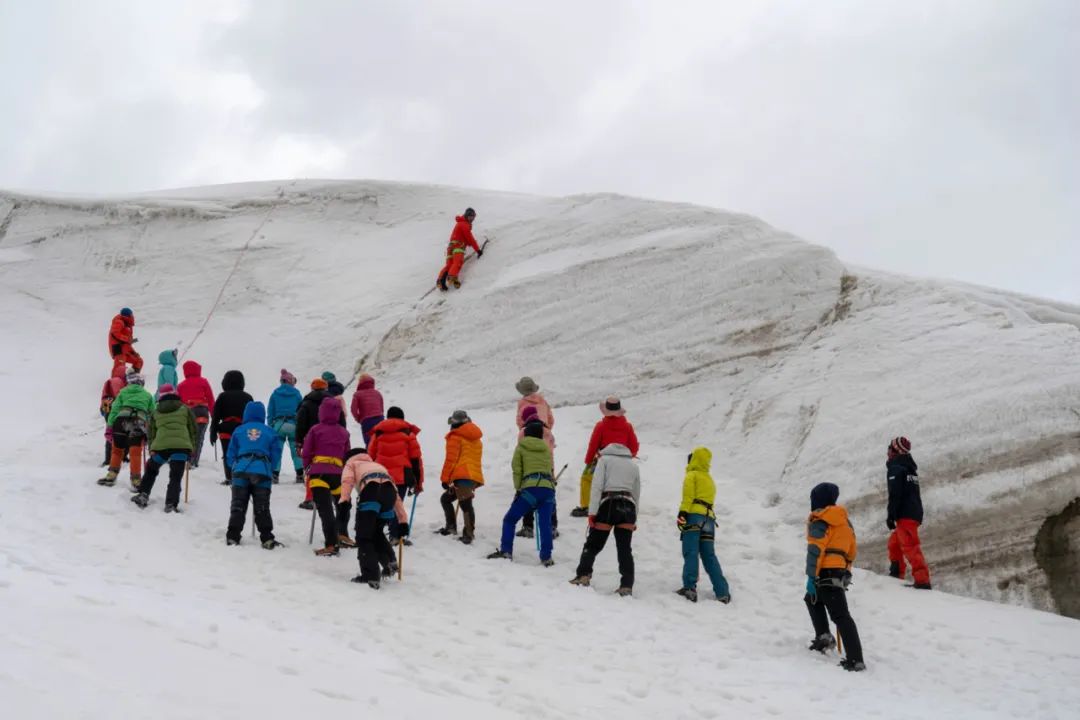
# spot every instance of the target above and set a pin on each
(713, 327)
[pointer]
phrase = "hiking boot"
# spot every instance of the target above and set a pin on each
(136, 480)
(270, 544)
(547, 563)
(894, 570)
(922, 586)
(852, 666)
(455, 282)
(823, 642)
(688, 593)
(142, 499)
(373, 584)
(299, 478)
(624, 592)
(582, 580)
(525, 532)
(466, 539)
(306, 505)
(328, 551)
(390, 570)
(724, 598)
(446, 531)
(554, 533)
(579, 512)
(232, 541)
(172, 508)
(500, 555)
(345, 541)
(110, 478)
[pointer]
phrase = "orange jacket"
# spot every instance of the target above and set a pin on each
(120, 331)
(464, 452)
(830, 540)
(461, 238)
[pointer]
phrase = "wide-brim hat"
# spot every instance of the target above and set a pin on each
(526, 386)
(460, 417)
(612, 407)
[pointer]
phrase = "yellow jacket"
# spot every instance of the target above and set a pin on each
(830, 540)
(698, 488)
(464, 452)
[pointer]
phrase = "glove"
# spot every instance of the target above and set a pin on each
(811, 589)
(134, 340)
(890, 523)
(680, 522)
(479, 254)
(402, 530)
(592, 521)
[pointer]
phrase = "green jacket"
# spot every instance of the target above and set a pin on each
(135, 397)
(698, 484)
(172, 426)
(531, 456)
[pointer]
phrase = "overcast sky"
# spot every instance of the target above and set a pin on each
(934, 138)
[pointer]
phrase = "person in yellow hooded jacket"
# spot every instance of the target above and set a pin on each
(830, 553)
(697, 524)
(462, 473)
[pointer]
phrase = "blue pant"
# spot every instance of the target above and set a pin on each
(696, 544)
(535, 499)
(286, 430)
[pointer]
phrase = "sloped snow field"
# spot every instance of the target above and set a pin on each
(714, 328)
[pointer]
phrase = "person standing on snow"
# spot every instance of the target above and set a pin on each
(394, 445)
(462, 474)
(109, 391)
(534, 485)
(281, 410)
(376, 504)
(905, 514)
(172, 438)
(228, 415)
(121, 341)
(613, 502)
(325, 447)
(531, 419)
(460, 240)
(612, 428)
(254, 451)
(830, 553)
(336, 389)
(307, 417)
(367, 406)
(167, 373)
(129, 418)
(197, 394)
(697, 525)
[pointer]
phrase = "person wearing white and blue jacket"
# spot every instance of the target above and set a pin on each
(281, 410)
(254, 450)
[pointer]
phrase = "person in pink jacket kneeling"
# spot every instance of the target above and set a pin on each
(377, 502)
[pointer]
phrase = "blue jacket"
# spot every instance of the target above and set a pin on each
(283, 403)
(255, 448)
(167, 374)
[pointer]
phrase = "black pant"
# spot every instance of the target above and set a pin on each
(402, 491)
(176, 473)
(529, 520)
(463, 494)
(616, 513)
(260, 498)
(372, 547)
(224, 456)
(344, 510)
(325, 498)
(834, 600)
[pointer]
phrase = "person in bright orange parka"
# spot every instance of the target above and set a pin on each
(460, 240)
(462, 473)
(121, 341)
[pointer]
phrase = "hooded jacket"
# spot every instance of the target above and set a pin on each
(361, 470)
(394, 446)
(194, 389)
(111, 389)
(255, 448)
(615, 471)
(326, 444)
(905, 500)
(698, 490)
(284, 403)
(532, 457)
(543, 410)
(172, 426)
(121, 331)
(307, 415)
(132, 399)
(830, 541)
(461, 237)
(167, 374)
(611, 429)
(367, 402)
(464, 454)
(229, 407)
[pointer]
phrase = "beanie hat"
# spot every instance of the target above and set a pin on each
(534, 429)
(395, 413)
(329, 377)
(287, 377)
(469, 212)
(134, 378)
(530, 413)
(900, 445)
(126, 312)
(460, 417)
(526, 386)
(611, 407)
(823, 495)
(166, 389)
(318, 384)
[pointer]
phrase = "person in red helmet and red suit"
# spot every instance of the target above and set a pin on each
(121, 342)
(905, 514)
(460, 240)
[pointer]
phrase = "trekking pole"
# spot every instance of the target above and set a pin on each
(556, 480)
(311, 533)
(187, 480)
(400, 557)
(839, 643)
(536, 524)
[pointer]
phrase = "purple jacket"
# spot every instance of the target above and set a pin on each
(367, 402)
(326, 444)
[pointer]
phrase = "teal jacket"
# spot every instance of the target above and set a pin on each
(167, 374)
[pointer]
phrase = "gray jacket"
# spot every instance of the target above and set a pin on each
(615, 472)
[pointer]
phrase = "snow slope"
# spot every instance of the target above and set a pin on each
(715, 329)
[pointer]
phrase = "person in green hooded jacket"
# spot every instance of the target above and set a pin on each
(128, 418)
(172, 440)
(535, 485)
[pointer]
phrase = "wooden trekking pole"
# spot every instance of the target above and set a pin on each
(839, 643)
(311, 534)
(187, 480)
(400, 557)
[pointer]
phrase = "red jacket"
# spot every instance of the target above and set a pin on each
(394, 446)
(613, 429)
(462, 237)
(194, 390)
(120, 331)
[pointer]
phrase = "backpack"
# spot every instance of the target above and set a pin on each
(129, 429)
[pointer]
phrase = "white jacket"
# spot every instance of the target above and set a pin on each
(615, 472)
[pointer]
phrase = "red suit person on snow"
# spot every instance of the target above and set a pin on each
(121, 342)
(460, 240)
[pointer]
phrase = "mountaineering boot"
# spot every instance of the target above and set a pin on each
(142, 499)
(373, 584)
(852, 666)
(923, 586)
(823, 642)
(345, 541)
(624, 592)
(894, 569)
(456, 283)
(270, 544)
(547, 563)
(231, 541)
(136, 480)
(724, 598)
(299, 478)
(582, 580)
(110, 478)
(172, 508)
(390, 570)
(500, 555)
(328, 551)
(446, 531)
(688, 593)
(579, 512)
(465, 539)
(306, 505)
(525, 532)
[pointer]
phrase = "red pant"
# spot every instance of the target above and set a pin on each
(904, 543)
(128, 355)
(135, 452)
(453, 265)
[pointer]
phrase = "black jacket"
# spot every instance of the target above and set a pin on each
(229, 406)
(307, 415)
(905, 502)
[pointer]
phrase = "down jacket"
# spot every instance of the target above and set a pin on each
(395, 447)
(172, 426)
(615, 471)
(464, 455)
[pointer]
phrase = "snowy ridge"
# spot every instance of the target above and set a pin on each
(714, 327)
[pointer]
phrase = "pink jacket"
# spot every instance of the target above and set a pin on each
(543, 410)
(367, 402)
(359, 471)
